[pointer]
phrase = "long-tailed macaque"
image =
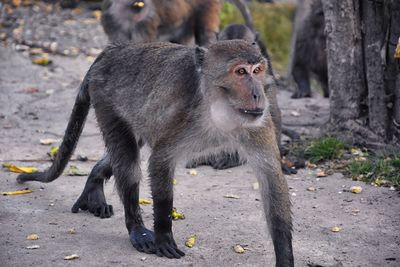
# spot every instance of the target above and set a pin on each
(176, 21)
(308, 51)
(181, 101)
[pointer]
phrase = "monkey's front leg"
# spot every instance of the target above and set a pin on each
(161, 173)
(265, 160)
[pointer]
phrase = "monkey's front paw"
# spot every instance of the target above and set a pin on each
(166, 246)
(143, 239)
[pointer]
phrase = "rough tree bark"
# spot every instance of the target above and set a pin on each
(363, 72)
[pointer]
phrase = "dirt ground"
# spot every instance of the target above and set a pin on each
(369, 237)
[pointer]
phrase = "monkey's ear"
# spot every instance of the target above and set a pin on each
(199, 56)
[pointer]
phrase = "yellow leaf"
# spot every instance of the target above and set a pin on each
(174, 181)
(47, 141)
(143, 201)
(43, 60)
(176, 215)
(336, 229)
(18, 169)
(193, 172)
(96, 14)
(72, 231)
(356, 151)
(231, 196)
(32, 237)
(311, 189)
(138, 4)
(190, 242)
(75, 171)
(239, 249)
(397, 52)
(53, 151)
(19, 192)
(356, 189)
(71, 257)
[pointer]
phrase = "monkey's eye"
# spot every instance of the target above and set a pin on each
(241, 71)
(257, 70)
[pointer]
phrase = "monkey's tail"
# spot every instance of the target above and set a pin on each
(71, 136)
(245, 11)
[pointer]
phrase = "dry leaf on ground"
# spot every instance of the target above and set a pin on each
(176, 215)
(239, 249)
(190, 242)
(144, 201)
(18, 192)
(231, 196)
(71, 257)
(336, 229)
(356, 189)
(19, 169)
(32, 237)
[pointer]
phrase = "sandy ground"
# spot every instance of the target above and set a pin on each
(370, 237)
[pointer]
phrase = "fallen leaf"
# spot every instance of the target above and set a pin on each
(75, 171)
(43, 60)
(32, 237)
(96, 14)
(231, 196)
(295, 114)
(71, 257)
(53, 152)
(239, 249)
(355, 212)
(33, 247)
(47, 141)
(174, 182)
(311, 165)
(256, 186)
(356, 151)
(72, 231)
(356, 189)
(193, 172)
(19, 192)
(176, 215)
(18, 169)
(311, 189)
(322, 174)
(190, 242)
(144, 201)
(336, 229)
(397, 51)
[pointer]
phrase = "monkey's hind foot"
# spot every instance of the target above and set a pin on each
(93, 200)
(143, 239)
(167, 247)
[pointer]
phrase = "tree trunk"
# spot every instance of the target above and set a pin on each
(363, 72)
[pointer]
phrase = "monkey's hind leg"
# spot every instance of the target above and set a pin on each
(92, 197)
(302, 79)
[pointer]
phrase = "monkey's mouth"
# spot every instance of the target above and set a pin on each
(252, 112)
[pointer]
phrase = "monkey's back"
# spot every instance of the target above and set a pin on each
(135, 80)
